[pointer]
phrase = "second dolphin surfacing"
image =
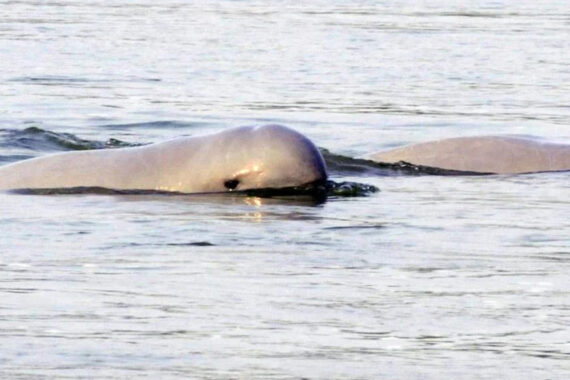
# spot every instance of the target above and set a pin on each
(270, 156)
(485, 154)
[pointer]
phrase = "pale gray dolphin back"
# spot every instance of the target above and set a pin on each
(486, 154)
(270, 156)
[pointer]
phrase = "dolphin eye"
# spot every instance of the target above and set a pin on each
(231, 184)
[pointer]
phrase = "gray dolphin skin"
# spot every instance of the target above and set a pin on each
(244, 158)
(486, 154)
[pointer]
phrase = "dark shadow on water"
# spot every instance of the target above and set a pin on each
(312, 193)
(344, 165)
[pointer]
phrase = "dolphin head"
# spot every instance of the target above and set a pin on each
(238, 159)
(261, 157)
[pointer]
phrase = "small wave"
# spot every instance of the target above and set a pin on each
(192, 244)
(163, 124)
(6, 159)
(38, 139)
(49, 80)
(60, 80)
(356, 227)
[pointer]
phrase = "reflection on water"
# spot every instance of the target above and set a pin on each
(443, 269)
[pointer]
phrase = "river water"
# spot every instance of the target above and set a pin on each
(432, 277)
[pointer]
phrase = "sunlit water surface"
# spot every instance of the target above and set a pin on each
(432, 277)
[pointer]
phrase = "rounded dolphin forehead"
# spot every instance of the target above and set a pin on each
(263, 142)
(271, 134)
(275, 133)
(270, 155)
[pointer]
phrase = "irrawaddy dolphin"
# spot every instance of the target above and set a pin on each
(270, 156)
(262, 157)
(486, 154)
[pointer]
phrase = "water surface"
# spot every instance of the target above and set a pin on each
(432, 277)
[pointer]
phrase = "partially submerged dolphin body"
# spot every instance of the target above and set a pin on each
(245, 158)
(487, 154)
(262, 157)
